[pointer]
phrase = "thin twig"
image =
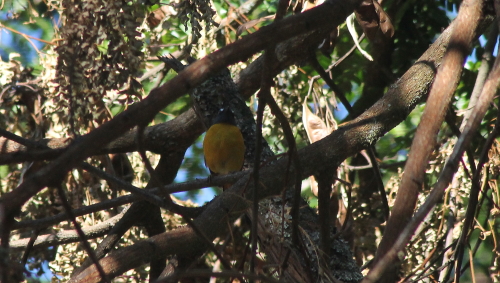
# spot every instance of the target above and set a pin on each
(168, 189)
(380, 183)
(81, 234)
(425, 138)
(371, 152)
(482, 73)
(470, 11)
(256, 170)
(348, 53)
(154, 175)
(313, 61)
(26, 35)
(29, 246)
(325, 181)
(264, 96)
(141, 193)
(475, 189)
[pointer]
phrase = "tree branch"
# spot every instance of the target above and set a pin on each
(69, 236)
(388, 112)
(144, 111)
(448, 74)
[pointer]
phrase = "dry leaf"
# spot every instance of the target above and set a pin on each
(314, 186)
(384, 21)
(316, 129)
(374, 21)
(157, 16)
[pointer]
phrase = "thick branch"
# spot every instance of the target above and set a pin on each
(468, 19)
(69, 236)
(446, 176)
(327, 15)
(175, 134)
(388, 112)
(166, 190)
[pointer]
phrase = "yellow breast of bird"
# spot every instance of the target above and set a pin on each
(224, 148)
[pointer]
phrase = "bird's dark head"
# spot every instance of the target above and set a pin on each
(225, 116)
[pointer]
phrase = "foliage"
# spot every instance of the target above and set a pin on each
(69, 66)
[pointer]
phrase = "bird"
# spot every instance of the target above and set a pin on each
(224, 146)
